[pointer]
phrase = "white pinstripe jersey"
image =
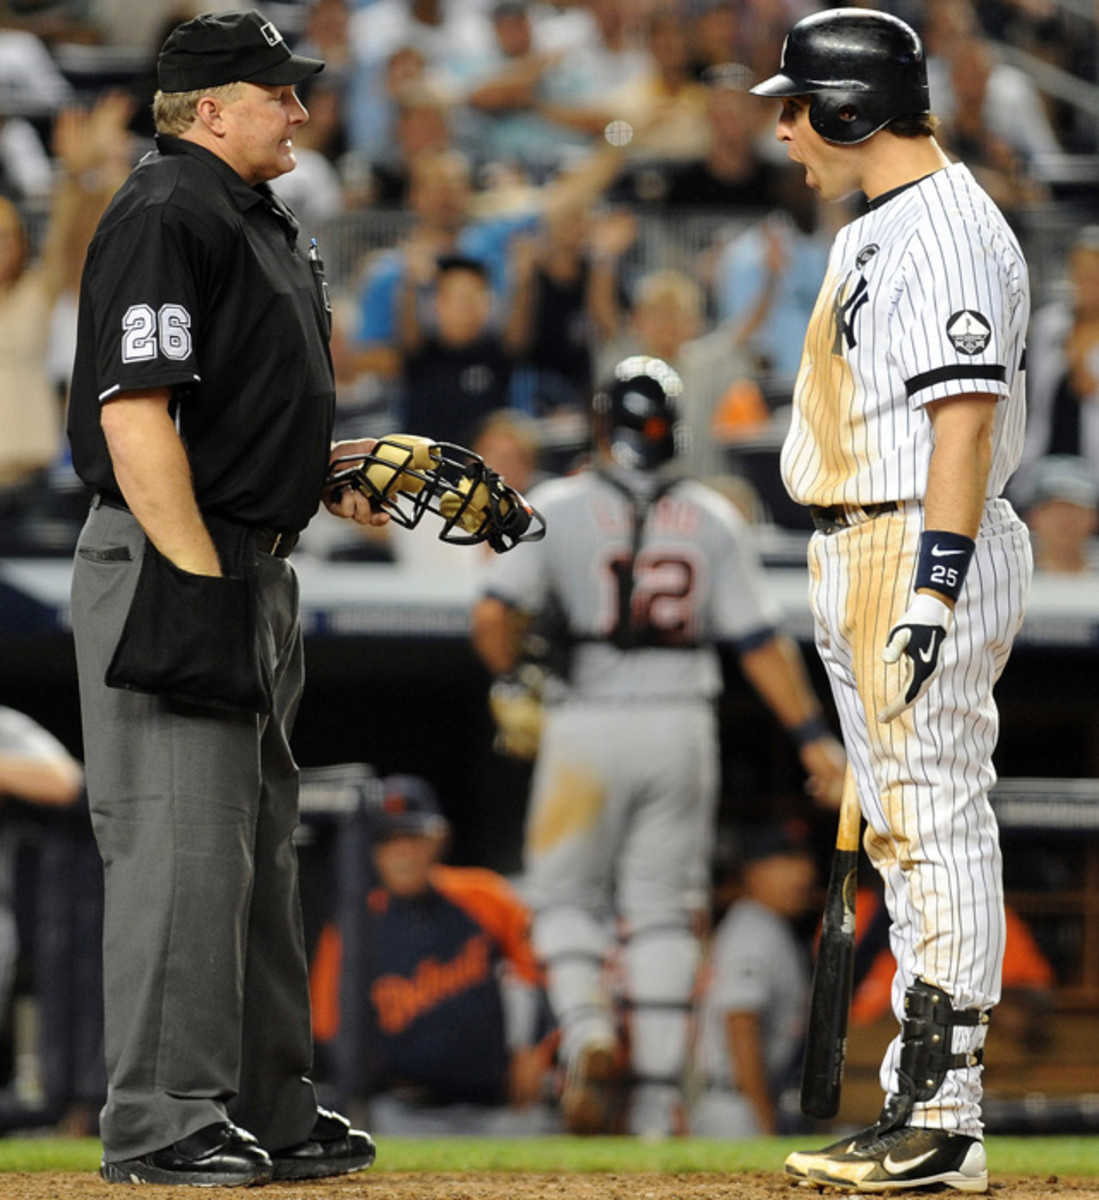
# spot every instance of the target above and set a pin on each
(925, 297)
(696, 581)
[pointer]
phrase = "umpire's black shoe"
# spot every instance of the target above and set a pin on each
(219, 1155)
(333, 1148)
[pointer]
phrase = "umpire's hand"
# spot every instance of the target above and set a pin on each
(917, 638)
(348, 502)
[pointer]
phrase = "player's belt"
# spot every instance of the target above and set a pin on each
(278, 543)
(833, 517)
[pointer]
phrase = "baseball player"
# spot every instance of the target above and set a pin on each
(36, 768)
(427, 988)
(908, 420)
(751, 1027)
(649, 572)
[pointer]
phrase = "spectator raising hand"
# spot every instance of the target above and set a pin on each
(92, 149)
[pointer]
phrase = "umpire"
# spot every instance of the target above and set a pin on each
(201, 414)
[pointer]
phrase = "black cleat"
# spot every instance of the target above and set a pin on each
(899, 1160)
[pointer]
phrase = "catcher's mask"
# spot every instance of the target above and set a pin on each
(636, 414)
(407, 476)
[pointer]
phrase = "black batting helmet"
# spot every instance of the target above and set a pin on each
(862, 69)
(637, 413)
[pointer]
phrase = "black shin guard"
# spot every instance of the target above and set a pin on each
(926, 1050)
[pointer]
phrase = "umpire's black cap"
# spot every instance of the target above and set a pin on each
(409, 805)
(218, 48)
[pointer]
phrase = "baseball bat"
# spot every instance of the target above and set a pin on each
(826, 1037)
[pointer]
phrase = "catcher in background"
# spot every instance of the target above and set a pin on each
(649, 572)
(908, 420)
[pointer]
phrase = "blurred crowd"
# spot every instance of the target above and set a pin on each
(512, 196)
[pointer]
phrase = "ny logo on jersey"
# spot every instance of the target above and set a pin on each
(844, 313)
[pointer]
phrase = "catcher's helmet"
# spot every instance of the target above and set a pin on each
(862, 69)
(637, 413)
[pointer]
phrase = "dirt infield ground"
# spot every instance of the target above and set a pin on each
(499, 1186)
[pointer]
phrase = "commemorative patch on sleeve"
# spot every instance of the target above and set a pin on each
(968, 331)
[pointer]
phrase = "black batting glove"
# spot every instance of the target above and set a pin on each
(917, 638)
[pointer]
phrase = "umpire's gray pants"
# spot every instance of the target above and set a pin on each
(205, 975)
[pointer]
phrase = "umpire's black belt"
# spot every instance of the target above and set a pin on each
(834, 517)
(277, 543)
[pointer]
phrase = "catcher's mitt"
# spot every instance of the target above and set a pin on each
(515, 702)
(407, 476)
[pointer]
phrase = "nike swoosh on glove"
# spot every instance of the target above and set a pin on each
(917, 637)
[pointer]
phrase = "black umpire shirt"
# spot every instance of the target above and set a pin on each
(195, 281)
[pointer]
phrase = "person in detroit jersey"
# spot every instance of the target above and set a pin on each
(426, 989)
(908, 421)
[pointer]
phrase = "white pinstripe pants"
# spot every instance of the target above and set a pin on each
(923, 780)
